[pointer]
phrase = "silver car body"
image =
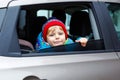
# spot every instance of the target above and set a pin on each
(101, 66)
(69, 67)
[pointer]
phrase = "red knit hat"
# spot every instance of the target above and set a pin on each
(53, 22)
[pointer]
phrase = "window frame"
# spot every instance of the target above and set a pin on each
(9, 40)
(97, 11)
(108, 43)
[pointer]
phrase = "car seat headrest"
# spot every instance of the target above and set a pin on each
(80, 24)
(59, 14)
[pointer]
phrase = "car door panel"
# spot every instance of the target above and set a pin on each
(99, 66)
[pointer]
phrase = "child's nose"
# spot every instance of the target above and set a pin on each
(56, 36)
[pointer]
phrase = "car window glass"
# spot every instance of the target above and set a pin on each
(46, 13)
(114, 11)
(2, 13)
(79, 21)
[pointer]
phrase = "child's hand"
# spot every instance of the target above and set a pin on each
(83, 41)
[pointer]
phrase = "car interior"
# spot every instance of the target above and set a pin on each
(78, 19)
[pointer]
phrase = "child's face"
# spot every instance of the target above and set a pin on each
(56, 36)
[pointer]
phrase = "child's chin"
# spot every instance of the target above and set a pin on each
(58, 44)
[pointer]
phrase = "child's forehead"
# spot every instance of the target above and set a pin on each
(55, 27)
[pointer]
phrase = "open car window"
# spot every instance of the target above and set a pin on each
(79, 21)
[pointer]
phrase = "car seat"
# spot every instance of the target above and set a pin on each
(37, 28)
(25, 45)
(80, 25)
(39, 23)
(59, 14)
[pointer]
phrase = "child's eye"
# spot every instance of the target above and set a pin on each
(61, 33)
(51, 34)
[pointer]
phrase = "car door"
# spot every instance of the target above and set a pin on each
(97, 61)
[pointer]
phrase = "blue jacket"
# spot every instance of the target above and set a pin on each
(41, 44)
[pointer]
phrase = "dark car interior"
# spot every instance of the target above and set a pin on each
(79, 25)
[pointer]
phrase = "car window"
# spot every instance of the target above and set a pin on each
(114, 11)
(2, 13)
(79, 21)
